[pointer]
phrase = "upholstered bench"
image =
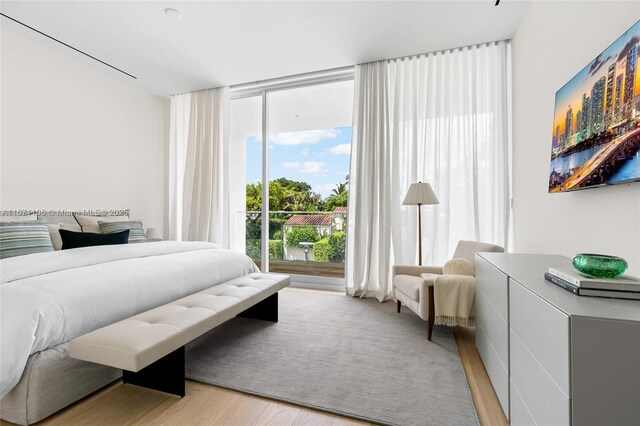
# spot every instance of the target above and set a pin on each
(149, 347)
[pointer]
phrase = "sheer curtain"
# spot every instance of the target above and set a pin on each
(441, 118)
(199, 167)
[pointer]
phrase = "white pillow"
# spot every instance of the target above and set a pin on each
(458, 266)
(24, 218)
(54, 232)
(90, 223)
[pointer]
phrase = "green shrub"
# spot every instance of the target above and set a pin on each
(322, 251)
(254, 249)
(338, 242)
(254, 227)
(276, 249)
(275, 227)
(301, 234)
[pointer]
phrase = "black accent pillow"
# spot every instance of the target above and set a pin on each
(71, 240)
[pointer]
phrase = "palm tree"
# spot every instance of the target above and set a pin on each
(340, 189)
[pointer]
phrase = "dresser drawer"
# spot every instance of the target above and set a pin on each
(543, 330)
(494, 327)
(494, 285)
(605, 365)
(520, 415)
(496, 371)
(544, 400)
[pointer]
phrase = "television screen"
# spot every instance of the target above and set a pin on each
(596, 123)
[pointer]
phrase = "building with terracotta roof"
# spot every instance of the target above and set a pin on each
(325, 224)
(317, 220)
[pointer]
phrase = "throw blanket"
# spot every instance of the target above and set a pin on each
(51, 298)
(453, 299)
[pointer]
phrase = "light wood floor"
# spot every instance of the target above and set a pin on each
(120, 404)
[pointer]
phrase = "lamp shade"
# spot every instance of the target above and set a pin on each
(420, 193)
(153, 234)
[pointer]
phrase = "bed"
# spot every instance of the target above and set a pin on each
(48, 299)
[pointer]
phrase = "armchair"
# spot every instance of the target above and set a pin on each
(417, 293)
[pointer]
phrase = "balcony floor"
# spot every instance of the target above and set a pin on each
(300, 267)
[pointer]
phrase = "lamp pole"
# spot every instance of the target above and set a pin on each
(420, 234)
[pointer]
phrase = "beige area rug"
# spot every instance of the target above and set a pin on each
(347, 356)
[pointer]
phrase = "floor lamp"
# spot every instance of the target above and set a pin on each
(417, 195)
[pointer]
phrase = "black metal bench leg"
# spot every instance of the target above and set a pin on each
(165, 375)
(266, 310)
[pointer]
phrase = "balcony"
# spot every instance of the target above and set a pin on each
(300, 242)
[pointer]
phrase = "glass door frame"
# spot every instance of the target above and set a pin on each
(263, 89)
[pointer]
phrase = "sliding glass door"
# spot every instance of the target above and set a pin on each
(298, 139)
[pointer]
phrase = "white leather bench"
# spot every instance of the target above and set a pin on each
(149, 347)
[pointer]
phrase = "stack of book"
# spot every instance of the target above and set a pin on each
(623, 287)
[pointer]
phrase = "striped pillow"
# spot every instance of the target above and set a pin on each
(90, 223)
(136, 231)
(18, 238)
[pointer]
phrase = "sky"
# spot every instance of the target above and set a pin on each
(318, 157)
(571, 93)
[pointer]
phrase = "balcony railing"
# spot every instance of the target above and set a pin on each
(300, 242)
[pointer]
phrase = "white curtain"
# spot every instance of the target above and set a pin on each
(199, 167)
(441, 118)
(178, 134)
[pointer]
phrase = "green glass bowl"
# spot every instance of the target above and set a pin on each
(600, 265)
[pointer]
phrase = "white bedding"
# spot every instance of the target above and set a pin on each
(51, 298)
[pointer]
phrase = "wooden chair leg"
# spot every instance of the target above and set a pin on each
(399, 306)
(432, 314)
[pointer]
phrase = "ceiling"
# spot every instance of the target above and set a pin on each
(220, 43)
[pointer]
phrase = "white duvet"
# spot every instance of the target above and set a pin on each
(51, 298)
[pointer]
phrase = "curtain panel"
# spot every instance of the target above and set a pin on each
(199, 167)
(441, 118)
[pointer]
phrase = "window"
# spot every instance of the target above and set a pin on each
(306, 162)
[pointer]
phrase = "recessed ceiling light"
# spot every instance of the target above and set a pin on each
(173, 13)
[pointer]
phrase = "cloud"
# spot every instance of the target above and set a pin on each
(598, 63)
(324, 188)
(305, 152)
(291, 165)
(312, 167)
(305, 137)
(309, 167)
(342, 149)
(625, 50)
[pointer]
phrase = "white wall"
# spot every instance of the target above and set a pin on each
(75, 137)
(553, 43)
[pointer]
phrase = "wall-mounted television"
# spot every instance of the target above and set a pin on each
(596, 122)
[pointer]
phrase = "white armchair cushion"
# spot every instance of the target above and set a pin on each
(409, 285)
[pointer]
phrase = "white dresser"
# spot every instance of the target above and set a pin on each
(555, 358)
